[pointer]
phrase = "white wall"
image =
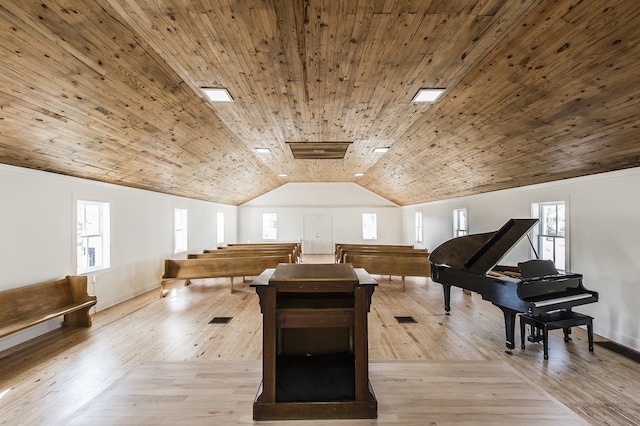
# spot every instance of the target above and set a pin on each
(38, 234)
(604, 234)
(345, 202)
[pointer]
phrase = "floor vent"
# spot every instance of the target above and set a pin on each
(405, 320)
(220, 320)
(621, 350)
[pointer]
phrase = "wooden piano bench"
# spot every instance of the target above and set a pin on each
(541, 324)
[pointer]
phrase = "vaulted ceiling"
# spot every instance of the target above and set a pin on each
(109, 90)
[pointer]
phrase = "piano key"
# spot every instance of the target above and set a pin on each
(559, 300)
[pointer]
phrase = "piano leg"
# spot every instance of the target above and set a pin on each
(447, 298)
(509, 328)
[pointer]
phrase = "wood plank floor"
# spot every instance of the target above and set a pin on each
(51, 379)
(409, 393)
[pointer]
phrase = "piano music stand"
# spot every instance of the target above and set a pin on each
(541, 324)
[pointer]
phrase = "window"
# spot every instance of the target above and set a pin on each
(92, 236)
(219, 228)
(269, 226)
(460, 223)
(550, 235)
(418, 223)
(180, 231)
(369, 226)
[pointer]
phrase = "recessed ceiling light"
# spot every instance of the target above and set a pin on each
(381, 149)
(263, 150)
(427, 95)
(359, 174)
(217, 94)
(283, 175)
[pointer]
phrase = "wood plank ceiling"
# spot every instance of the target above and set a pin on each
(109, 90)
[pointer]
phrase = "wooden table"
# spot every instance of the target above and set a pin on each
(315, 343)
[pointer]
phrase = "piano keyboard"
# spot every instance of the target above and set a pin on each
(504, 277)
(548, 302)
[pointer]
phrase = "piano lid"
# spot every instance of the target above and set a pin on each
(479, 253)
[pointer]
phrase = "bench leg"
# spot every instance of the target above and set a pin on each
(80, 318)
(522, 332)
(164, 288)
(567, 334)
(403, 283)
(231, 284)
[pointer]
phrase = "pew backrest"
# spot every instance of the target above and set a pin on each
(398, 264)
(372, 249)
(244, 253)
(216, 267)
(296, 248)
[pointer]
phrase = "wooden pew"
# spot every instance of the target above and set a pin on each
(297, 247)
(341, 249)
(285, 244)
(251, 252)
(24, 307)
(399, 264)
(208, 254)
(216, 267)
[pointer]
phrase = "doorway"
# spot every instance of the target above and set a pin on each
(318, 234)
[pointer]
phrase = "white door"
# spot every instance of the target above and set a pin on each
(318, 234)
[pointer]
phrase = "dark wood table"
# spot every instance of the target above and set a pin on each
(315, 343)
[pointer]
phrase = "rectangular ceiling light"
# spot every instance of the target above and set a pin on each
(381, 149)
(263, 150)
(217, 94)
(427, 95)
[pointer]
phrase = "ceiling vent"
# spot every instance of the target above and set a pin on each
(319, 150)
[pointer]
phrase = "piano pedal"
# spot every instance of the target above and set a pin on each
(535, 338)
(537, 335)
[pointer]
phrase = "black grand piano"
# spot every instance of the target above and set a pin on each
(534, 287)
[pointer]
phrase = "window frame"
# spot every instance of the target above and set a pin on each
(419, 230)
(180, 230)
(560, 260)
(270, 226)
(103, 233)
(458, 230)
(369, 226)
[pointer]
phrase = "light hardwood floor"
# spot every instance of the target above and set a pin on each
(50, 379)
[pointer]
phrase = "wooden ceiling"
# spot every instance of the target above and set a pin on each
(109, 90)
